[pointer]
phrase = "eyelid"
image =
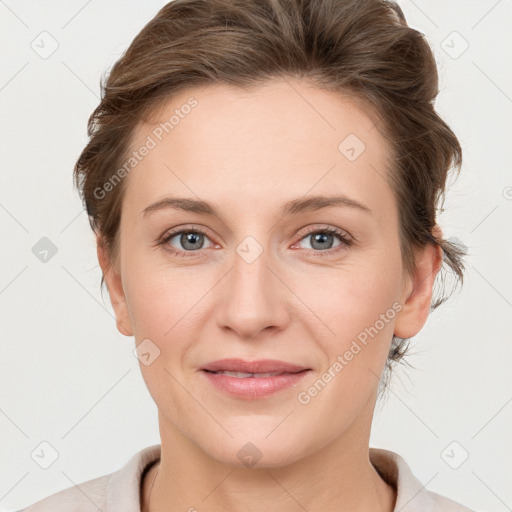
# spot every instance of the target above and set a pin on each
(188, 228)
(346, 238)
(309, 230)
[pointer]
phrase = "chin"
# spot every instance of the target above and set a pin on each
(255, 452)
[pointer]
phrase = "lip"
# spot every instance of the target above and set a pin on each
(253, 388)
(260, 366)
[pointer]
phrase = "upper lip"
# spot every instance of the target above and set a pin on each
(261, 366)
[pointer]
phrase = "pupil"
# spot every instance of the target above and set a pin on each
(190, 238)
(322, 238)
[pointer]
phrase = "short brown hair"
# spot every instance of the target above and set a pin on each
(363, 48)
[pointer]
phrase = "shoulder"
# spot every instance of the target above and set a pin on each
(117, 491)
(412, 496)
(444, 504)
(85, 497)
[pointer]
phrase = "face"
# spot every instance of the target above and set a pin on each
(268, 273)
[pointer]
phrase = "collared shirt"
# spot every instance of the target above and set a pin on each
(121, 491)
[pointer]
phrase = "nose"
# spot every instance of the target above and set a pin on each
(255, 298)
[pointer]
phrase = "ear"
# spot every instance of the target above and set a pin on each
(417, 290)
(115, 289)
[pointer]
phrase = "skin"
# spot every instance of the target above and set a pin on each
(249, 152)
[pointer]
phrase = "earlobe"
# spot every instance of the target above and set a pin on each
(115, 289)
(122, 330)
(417, 296)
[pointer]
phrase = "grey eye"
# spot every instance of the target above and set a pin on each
(188, 240)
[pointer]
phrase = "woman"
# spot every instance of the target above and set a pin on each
(259, 132)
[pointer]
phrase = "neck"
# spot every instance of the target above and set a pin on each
(337, 477)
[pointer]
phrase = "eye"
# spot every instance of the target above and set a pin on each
(191, 240)
(321, 240)
(187, 241)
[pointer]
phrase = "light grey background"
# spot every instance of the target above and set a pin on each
(69, 378)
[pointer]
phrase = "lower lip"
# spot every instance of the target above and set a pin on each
(252, 388)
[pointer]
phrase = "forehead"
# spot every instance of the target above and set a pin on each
(284, 138)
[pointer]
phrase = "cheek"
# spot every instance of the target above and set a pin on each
(159, 297)
(162, 310)
(151, 307)
(345, 301)
(359, 310)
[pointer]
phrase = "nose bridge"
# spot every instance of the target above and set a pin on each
(254, 297)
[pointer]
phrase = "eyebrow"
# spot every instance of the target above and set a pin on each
(292, 207)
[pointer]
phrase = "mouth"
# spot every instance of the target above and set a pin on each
(244, 369)
(246, 375)
(253, 380)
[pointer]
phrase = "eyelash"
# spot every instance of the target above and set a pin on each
(345, 241)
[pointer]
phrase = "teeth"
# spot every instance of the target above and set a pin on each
(244, 375)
